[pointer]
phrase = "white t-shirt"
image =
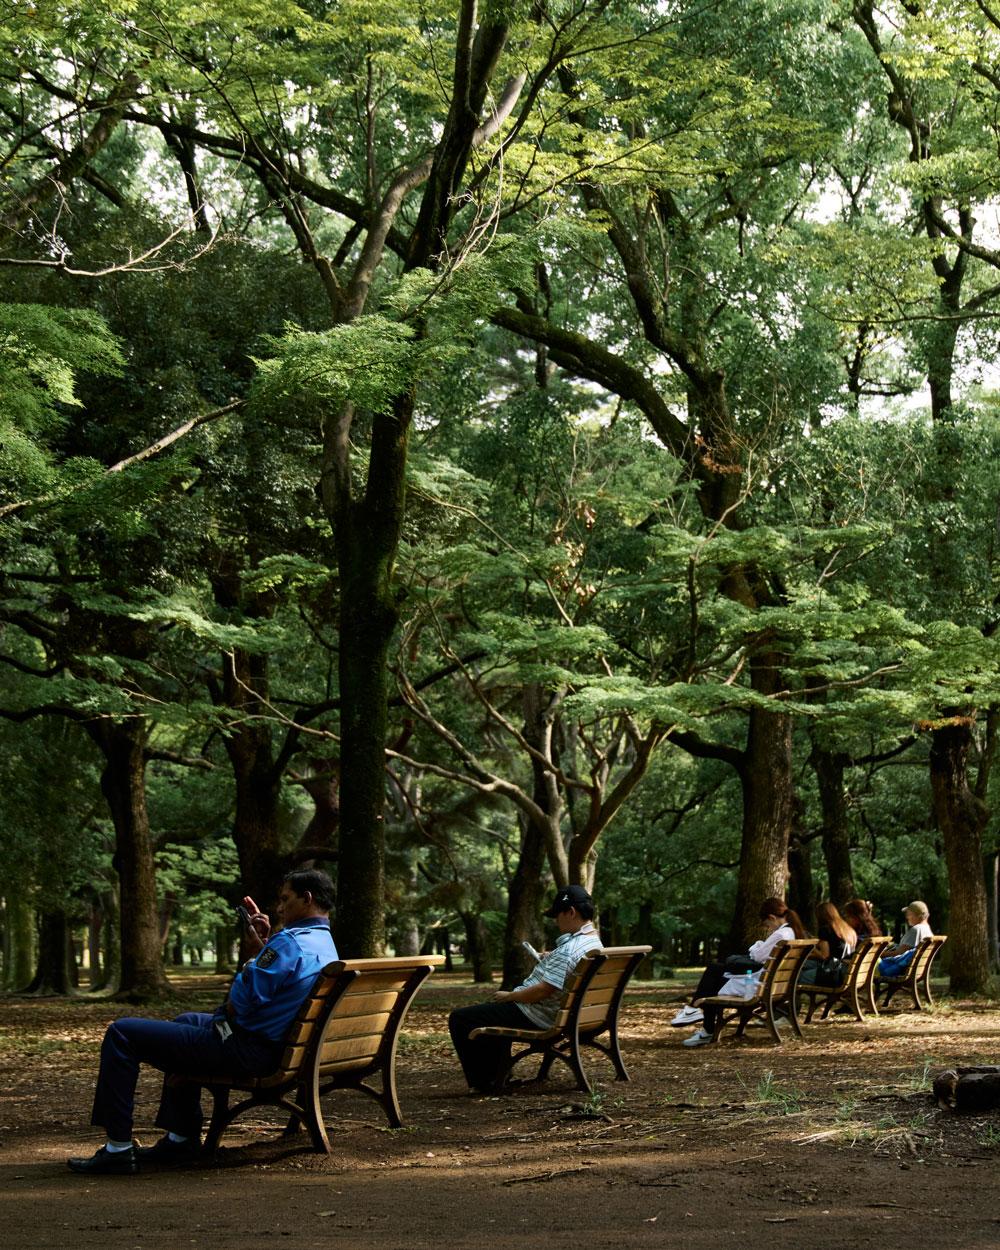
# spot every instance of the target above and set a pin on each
(916, 934)
(760, 950)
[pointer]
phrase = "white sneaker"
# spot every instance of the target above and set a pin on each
(700, 1038)
(687, 1015)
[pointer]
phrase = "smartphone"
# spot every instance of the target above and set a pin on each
(531, 951)
(244, 916)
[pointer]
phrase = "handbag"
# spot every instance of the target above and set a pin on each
(831, 971)
(742, 963)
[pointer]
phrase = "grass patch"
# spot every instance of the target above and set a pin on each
(768, 1095)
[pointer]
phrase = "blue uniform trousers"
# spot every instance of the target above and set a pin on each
(187, 1046)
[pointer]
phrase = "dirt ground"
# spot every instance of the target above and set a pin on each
(830, 1142)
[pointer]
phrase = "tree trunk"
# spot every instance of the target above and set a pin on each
(224, 942)
(829, 767)
(524, 907)
(368, 618)
(123, 783)
(52, 975)
(110, 940)
(961, 817)
(992, 874)
(257, 781)
(95, 922)
(319, 838)
(766, 778)
(19, 942)
(477, 947)
(800, 895)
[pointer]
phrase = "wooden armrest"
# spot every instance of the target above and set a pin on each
(520, 1035)
(720, 1000)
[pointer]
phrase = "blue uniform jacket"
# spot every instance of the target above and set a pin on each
(270, 989)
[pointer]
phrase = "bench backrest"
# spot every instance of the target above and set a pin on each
(355, 1008)
(921, 961)
(368, 1012)
(865, 960)
(782, 968)
(594, 988)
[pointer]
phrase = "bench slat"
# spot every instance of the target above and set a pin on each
(356, 1026)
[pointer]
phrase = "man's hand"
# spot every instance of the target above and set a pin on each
(503, 996)
(259, 927)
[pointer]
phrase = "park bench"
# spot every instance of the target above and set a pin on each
(589, 1008)
(345, 1032)
(916, 978)
(858, 987)
(775, 994)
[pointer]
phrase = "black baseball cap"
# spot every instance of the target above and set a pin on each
(571, 896)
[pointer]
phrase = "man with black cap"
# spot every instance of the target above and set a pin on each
(535, 1002)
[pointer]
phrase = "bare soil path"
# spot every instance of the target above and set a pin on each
(832, 1142)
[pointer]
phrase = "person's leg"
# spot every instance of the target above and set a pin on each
(712, 980)
(187, 1044)
(484, 1059)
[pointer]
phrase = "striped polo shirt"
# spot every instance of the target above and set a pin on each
(554, 968)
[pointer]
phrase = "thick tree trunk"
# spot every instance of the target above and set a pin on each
(766, 778)
(961, 817)
(368, 618)
(52, 975)
(123, 783)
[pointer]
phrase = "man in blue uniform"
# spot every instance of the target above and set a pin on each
(243, 1037)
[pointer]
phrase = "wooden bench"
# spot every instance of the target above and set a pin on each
(345, 1032)
(589, 1008)
(857, 989)
(775, 994)
(916, 979)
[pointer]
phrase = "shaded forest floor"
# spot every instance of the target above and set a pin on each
(830, 1142)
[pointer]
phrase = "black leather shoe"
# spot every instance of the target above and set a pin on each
(107, 1163)
(170, 1154)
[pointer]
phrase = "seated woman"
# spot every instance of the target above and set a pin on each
(860, 917)
(837, 940)
(897, 958)
(742, 972)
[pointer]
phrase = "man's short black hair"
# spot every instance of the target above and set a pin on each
(315, 882)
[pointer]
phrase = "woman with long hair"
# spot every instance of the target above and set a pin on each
(861, 918)
(827, 964)
(781, 924)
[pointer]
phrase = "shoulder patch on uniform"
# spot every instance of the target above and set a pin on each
(266, 958)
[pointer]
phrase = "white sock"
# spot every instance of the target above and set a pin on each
(176, 1137)
(115, 1147)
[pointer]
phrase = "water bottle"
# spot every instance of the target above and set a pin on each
(749, 984)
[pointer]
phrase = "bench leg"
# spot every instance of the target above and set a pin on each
(615, 1054)
(219, 1121)
(855, 1004)
(313, 1113)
